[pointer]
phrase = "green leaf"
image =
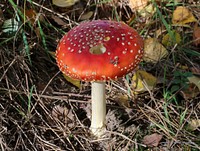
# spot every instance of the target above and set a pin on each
(175, 88)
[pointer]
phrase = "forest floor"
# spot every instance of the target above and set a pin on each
(155, 107)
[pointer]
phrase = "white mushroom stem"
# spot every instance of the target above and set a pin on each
(98, 109)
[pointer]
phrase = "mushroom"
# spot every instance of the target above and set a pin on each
(99, 51)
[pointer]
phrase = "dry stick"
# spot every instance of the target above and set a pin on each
(71, 94)
(79, 142)
(55, 13)
(191, 143)
(8, 86)
(77, 117)
(61, 98)
(7, 68)
(146, 87)
(96, 9)
(2, 144)
(88, 4)
(173, 124)
(179, 130)
(127, 144)
(47, 143)
(24, 134)
(47, 113)
(55, 97)
(4, 74)
(49, 82)
(69, 130)
(65, 98)
(125, 137)
(115, 84)
(119, 134)
(64, 130)
(2, 148)
(163, 129)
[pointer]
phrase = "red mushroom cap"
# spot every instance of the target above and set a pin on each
(99, 50)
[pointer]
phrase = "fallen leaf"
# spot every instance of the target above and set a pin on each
(183, 67)
(196, 35)
(195, 80)
(143, 81)
(152, 140)
(190, 92)
(193, 88)
(87, 15)
(64, 3)
(171, 41)
(153, 50)
(182, 15)
(195, 70)
(30, 15)
(123, 100)
(137, 4)
(194, 124)
(147, 11)
(75, 82)
(159, 32)
(58, 20)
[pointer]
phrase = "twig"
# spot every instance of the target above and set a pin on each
(53, 12)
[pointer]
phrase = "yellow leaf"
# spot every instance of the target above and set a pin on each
(195, 80)
(147, 11)
(143, 81)
(159, 32)
(194, 124)
(137, 4)
(52, 53)
(58, 20)
(153, 50)
(64, 3)
(123, 100)
(182, 16)
(86, 15)
(170, 41)
(75, 82)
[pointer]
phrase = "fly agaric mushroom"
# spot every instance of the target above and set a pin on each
(98, 51)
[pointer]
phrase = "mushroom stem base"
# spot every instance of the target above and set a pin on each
(98, 109)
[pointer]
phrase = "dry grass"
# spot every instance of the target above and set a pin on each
(40, 110)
